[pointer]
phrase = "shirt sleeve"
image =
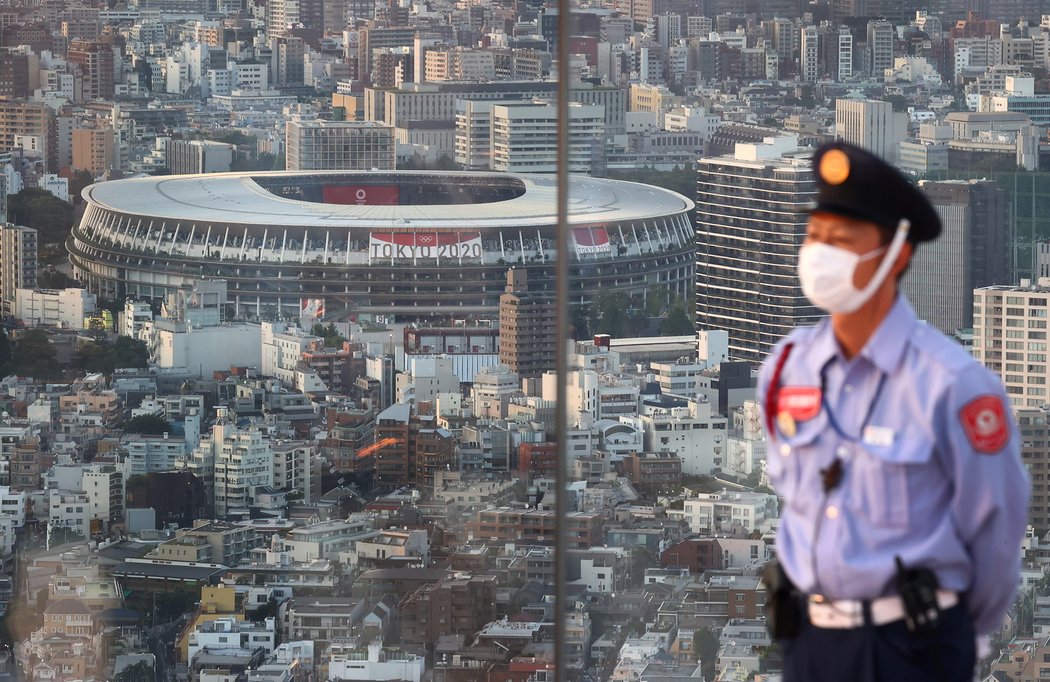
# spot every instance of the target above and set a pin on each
(981, 446)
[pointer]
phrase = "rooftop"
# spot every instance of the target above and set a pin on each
(239, 198)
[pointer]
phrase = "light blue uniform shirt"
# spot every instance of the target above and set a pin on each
(921, 478)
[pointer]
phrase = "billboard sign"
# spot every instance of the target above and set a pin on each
(415, 245)
(362, 195)
(591, 240)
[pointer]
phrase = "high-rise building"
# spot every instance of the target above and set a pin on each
(94, 150)
(880, 47)
(18, 73)
(973, 251)
(1035, 453)
(1009, 338)
(668, 30)
(288, 64)
(410, 448)
(786, 37)
(94, 61)
(461, 604)
(18, 257)
(809, 59)
(871, 125)
(339, 145)
(296, 467)
(24, 118)
(283, 15)
(525, 137)
(844, 54)
(1007, 11)
(750, 221)
(370, 40)
(896, 11)
(526, 327)
(235, 464)
(198, 156)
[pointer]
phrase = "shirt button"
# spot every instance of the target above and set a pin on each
(848, 388)
(842, 451)
(832, 512)
(785, 450)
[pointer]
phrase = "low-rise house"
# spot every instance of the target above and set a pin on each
(374, 662)
(321, 619)
(228, 632)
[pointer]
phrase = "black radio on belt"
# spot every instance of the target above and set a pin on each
(917, 588)
(784, 603)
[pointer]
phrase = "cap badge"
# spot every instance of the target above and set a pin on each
(834, 167)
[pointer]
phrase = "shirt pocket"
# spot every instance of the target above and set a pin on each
(792, 460)
(879, 479)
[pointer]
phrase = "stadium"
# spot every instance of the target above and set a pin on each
(406, 244)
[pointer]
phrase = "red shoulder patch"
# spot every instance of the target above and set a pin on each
(801, 402)
(984, 421)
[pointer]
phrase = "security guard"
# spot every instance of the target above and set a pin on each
(896, 453)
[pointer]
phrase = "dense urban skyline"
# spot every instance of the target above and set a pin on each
(279, 330)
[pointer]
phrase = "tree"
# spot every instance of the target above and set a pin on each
(609, 314)
(5, 351)
(171, 605)
(267, 610)
(332, 338)
(656, 301)
(236, 137)
(91, 356)
(147, 425)
(34, 356)
(60, 535)
(78, 182)
(899, 102)
(807, 97)
(678, 322)
(445, 162)
(54, 279)
(579, 318)
(682, 181)
(263, 162)
(129, 352)
(140, 672)
(101, 356)
(41, 210)
(705, 644)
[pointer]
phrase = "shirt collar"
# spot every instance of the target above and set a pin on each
(884, 349)
(886, 346)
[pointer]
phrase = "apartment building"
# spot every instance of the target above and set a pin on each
(535, 526)
(340, 145)
(1009, 338)
(750, 222)
(18, 260)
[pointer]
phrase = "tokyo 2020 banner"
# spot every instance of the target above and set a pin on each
(426, 245)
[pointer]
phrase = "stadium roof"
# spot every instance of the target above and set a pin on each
(238, 198)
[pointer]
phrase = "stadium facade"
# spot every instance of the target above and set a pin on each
(407, 244)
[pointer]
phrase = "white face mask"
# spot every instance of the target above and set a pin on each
(826, 273)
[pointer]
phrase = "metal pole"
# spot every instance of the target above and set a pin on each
(561, 312)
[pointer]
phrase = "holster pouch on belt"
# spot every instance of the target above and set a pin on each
(784, 603)
(917, 588)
